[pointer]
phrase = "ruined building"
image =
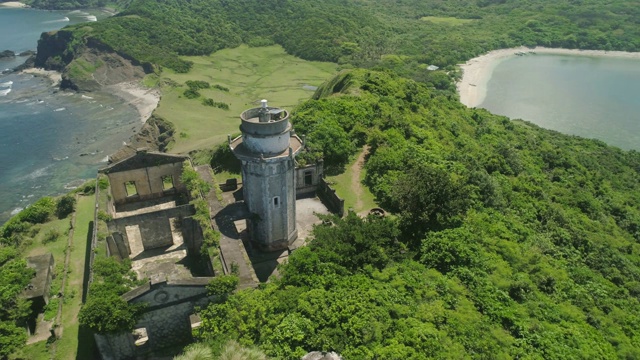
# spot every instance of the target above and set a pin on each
(267, 149)
(151, 224)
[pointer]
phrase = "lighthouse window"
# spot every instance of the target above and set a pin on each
(276, 201)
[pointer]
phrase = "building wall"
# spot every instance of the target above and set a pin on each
(329, 197)
(263, 182)
(303, 187)
(166, 321)
(155, 228)
(267, 145)
(148, 182)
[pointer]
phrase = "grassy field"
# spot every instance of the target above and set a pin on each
(349, 186)
(67, 347)
(250, 74)
(446, 20)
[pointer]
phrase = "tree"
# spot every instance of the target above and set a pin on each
(222, 286)
(330, 138)
(12, 338)
(429, 198)
(65, 206)
(109, 313)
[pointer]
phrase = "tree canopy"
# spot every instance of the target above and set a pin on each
(405, 35)
(507, 241)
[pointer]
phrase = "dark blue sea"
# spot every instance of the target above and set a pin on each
(50, 140)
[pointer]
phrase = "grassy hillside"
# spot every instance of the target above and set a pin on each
(405, 36)
(244, 76)
(510, 241)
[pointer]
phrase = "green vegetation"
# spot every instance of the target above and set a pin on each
(105, 311)
(508, 241)
(446, 20)
(198, 189)
(50, 236)
(248, 75)
(65, 206)
(71, 345)
(349, 186)
(15, 236)
(230, 351)
(81, 69)
(14, 276)
(405, 36)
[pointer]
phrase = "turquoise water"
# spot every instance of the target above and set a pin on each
(50, 139)
(592, 97)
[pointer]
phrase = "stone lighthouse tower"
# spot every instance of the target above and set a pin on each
(267, 149)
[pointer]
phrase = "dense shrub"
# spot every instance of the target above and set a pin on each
(65, 206)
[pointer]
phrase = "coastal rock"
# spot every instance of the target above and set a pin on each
(27, 53)
(89, 65)
(7, 54)
(29, 63)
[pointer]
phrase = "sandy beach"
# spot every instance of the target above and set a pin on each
(54, 76)
(133, 93)
(477, 71)
(13, 4)
(145, 100)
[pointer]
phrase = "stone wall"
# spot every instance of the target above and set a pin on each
(148, 183)
(308, 178)
(115, 346)
(155, 229)
(330, 199)
(192, 234)
(117, 246)
(166, 318)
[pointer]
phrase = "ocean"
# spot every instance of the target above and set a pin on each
(50, 140)
(592, 97)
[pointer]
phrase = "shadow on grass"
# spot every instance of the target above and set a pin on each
(87, 263)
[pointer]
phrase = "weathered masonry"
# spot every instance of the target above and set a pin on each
(267, 150)
(144, 176)
(151, 224)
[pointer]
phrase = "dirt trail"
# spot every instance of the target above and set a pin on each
(356, 170)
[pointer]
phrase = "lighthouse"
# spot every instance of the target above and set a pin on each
(267, 150)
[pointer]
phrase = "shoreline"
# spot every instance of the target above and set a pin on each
(472, 88)
(145, 100)
(54, 76)
(14, 4)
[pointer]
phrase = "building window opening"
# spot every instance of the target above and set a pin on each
(308, 178)
(276, 201)
(167, 182)
(130, 187)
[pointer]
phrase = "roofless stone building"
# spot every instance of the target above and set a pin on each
(267, 150)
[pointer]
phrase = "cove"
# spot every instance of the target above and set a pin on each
(592, 97)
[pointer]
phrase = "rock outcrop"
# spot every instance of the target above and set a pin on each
(86, 64)
(7, 54)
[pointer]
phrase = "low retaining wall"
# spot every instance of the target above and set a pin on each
(329, 198)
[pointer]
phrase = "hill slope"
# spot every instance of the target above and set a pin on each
(402, 35)
(509, 241)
